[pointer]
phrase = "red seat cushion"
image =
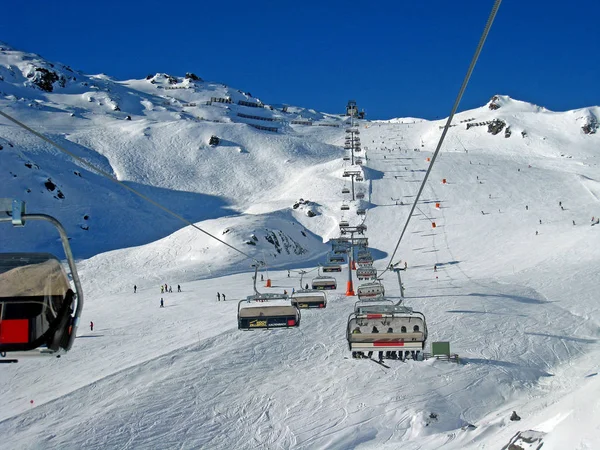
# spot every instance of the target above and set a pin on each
(14, 331)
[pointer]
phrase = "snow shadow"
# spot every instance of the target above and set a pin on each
(504, 364)
(564, 338)
(517, 298)
(468, 311)
(372, 174)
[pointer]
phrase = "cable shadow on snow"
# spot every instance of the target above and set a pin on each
(517, 298)
(564, 338)
(468, 311)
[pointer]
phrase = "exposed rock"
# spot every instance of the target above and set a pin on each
(192, 76)
(50, 185)
(494, 103)
(514, 416)
(496, 126)
(311, 213)
(214, 141)
(507, 132)
(44, 79)
(523, 134)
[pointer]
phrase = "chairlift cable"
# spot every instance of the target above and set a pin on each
(132, 190)
(465, 82)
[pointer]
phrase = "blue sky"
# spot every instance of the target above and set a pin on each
(396, 58)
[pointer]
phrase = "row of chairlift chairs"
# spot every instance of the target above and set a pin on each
(376, 324)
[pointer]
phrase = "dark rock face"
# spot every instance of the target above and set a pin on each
(494, 103)
(45, 79)
(496, 126)
(192, 76)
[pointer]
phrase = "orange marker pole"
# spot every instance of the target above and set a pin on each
(349, 289)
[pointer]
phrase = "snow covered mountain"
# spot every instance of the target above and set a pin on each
(514, 290)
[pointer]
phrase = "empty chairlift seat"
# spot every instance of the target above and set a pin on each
(336, 258)
(346, 158)
(344, 223)
(364, 259)
(370, 290)
(366, 273)
(267, 311)
(324, 283)
(309, 298)
(39, 309)
(390, 331)
(36, 303)
(345, 207)
(328, 268)
(345, 190)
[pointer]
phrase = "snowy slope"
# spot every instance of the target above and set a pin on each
(518, 307)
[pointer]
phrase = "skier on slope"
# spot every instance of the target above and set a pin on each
(134, 288)
(91, 326)
(162, 303)
(218, 297)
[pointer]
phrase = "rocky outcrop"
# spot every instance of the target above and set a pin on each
(494, 103)
(45, 79)
(496, 126)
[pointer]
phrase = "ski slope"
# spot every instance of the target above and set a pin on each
(518, 307)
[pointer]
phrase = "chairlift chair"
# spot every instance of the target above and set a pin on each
(371, 306)
(39, 312)
(361, 211)
(359, 178)
(344, 223)
(403, 332)
(366, 273)
(346, 158)
(324, 283)
(333, 258)
(266, 311)
(345, 190)
(370, 290)
(345, 207)
(309, 298)
(360, 195)
(328, 268)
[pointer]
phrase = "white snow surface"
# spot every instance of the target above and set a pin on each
(520, 308)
